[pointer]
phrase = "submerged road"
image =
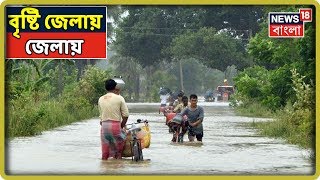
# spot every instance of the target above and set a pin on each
(229, 148)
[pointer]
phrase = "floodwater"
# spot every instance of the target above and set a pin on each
(229, 148)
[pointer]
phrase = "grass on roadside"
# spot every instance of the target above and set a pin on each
(253, 110)
(27, 118)
(295, 126)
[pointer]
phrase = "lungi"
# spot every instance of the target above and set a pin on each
(112, 139)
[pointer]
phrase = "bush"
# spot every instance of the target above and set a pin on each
(92, 86)
(272, 88)
(297, 127)
(295, 123)
(29, 112)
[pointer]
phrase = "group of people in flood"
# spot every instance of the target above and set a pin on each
(183, 116)
(114, 113)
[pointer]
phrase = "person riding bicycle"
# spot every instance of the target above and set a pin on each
(114, 114)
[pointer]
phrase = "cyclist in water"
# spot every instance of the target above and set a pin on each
(114, 114)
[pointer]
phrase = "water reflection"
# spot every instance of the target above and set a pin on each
(187, 143)
(112, 166)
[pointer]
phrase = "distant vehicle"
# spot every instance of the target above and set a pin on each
(208, 96)
(224, 92)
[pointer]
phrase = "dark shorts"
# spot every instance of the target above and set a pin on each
(198, 135)
(163, 105)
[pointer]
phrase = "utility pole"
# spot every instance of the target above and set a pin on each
(181, 76)
(250, 33)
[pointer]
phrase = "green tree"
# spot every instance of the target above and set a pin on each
(92, 86)
(279, 56)
(146, 33)
(130, 71)
(113, 14)
(215, 50)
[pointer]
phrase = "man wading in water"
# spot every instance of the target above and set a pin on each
(195, 116)
(114, 114)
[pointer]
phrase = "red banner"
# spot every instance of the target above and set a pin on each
(70, 32)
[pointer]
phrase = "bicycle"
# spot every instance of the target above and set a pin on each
(178, 133)
(178, 126)
(135, 143)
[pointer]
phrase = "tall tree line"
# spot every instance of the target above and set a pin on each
(216, 36)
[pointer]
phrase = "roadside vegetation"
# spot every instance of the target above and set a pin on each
(295, 122)
(35, 103)
(281, 85)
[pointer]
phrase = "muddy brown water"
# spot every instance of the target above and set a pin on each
(229, 148)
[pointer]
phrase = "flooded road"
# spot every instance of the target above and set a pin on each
(229, 147)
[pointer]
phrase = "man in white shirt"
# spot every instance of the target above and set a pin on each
(163, 100)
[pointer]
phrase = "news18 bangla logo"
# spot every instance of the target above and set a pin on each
(289, 24)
